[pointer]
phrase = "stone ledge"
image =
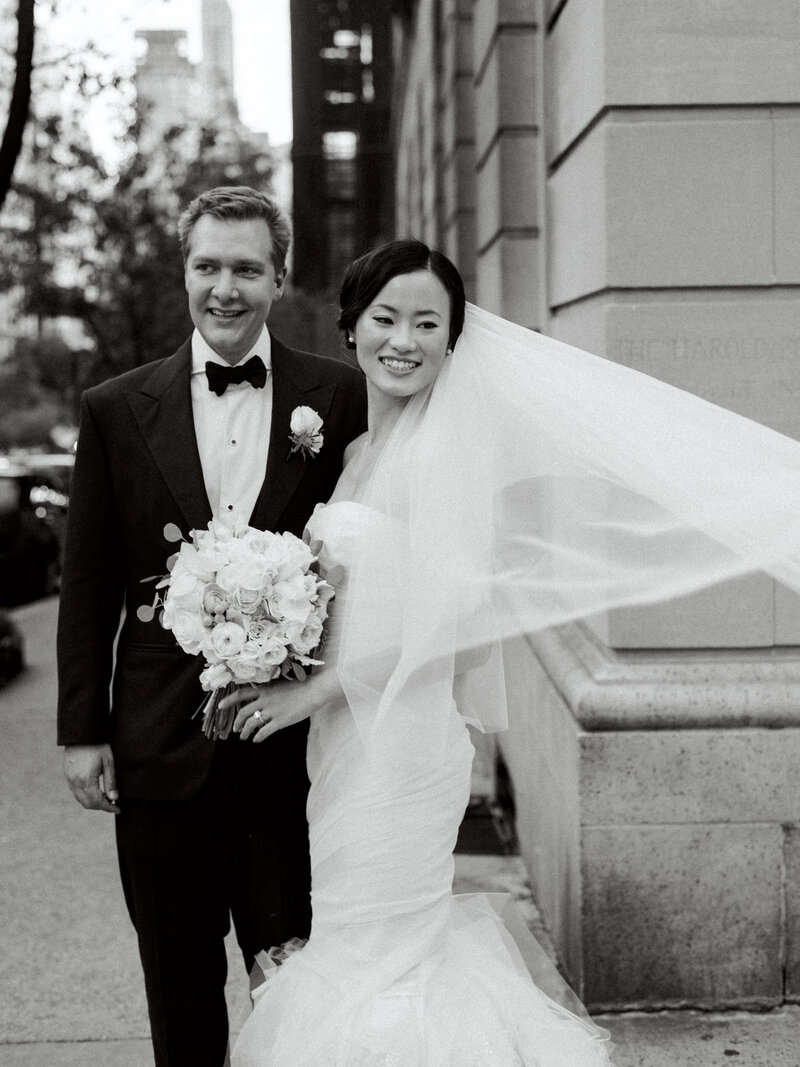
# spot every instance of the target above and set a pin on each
(687, 690)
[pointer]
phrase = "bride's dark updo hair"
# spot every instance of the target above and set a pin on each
(368, 274)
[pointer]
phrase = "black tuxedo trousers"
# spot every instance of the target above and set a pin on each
(208, 830)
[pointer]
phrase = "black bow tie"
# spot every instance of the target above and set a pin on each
(220, 377)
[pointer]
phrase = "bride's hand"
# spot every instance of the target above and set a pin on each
(265, 709)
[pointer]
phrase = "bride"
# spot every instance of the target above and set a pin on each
(506, 483)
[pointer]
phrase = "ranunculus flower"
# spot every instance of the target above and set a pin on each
(228, 639)
(273, 651)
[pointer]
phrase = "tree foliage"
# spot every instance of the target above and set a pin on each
(90, 266)
(99, 250)
(102, 249)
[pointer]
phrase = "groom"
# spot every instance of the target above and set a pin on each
(205, 830)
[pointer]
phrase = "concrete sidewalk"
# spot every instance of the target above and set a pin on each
(69, 972)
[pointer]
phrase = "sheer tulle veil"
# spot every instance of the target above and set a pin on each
(532, 484)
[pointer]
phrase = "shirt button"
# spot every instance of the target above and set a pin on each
(230, 507)
(233, 442)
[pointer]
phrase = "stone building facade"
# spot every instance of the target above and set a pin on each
(623, 175)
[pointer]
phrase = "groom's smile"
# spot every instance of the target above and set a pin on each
(231, 282)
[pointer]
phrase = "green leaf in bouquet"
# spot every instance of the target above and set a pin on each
(298, 671)
(171, 560)
(335, 575)
(145, 613)
(172, 532)
(316, 547)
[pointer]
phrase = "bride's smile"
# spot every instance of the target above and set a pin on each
(402, 337)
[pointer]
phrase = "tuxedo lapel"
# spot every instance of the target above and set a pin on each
(293, 384)
(163, 410)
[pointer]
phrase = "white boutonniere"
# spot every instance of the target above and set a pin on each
(306, 435)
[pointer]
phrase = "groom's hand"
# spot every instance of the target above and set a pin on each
(90, 773)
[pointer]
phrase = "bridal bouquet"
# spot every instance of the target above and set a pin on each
(251, 603)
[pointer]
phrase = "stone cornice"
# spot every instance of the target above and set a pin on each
(670, 690)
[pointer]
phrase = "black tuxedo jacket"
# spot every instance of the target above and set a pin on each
(137, 468)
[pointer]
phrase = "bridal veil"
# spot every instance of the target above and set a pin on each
(532, 484)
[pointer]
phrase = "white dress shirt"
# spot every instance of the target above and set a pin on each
(232, 433)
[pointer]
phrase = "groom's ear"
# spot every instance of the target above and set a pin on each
(280, 281)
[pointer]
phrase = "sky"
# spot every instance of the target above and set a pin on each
(262, 58)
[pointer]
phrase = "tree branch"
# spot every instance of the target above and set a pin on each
(20, 97)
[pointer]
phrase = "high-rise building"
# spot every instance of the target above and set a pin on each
(172, 91)
(165, 82)
(341, 85)
(216, 68)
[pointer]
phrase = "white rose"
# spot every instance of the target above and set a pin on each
(247, 600)
(309, 637)
(244, 670)
(260, 629)
(267, 674)
(215, 600)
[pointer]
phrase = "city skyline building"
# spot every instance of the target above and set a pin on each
(166, 88)
(216, 66)
(171, 90)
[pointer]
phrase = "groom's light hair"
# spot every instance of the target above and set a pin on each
(239, 202)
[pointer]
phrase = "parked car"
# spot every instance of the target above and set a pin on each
(12, 657)
(34, 493)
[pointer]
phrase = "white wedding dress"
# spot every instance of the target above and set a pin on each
(398, 972)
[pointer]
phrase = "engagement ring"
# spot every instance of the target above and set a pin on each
(257, 714)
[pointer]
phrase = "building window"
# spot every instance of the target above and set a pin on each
(339, 150)
(336, 96)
